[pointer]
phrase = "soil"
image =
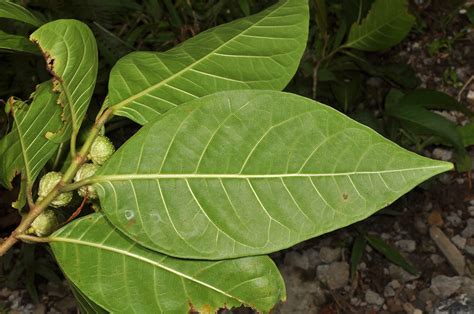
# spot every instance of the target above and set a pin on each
(317, 272)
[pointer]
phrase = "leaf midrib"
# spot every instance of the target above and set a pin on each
(144, 259)
(123, 177)
(130, 99)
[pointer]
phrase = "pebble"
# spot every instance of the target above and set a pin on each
(296, 259)
(459, 241)
(437, 259)
(444, 286)
(454, 220)
(406, 245)
(372, 297)
(420, 226)
(329, 255)
(335, 275)
(469, 230)
(390, 288)
(471, 210)
(400, 274)
(442, 154)
(470, 96)
(469, 249)
(302, 295)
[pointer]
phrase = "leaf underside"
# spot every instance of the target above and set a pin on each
(26, 148)
(386, 24)
(250, 172)
(121, 276)
(261, 51)
(71, 55)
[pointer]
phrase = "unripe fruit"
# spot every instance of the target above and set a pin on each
(86, 171)
(45, 223)
(47, 184)
(101, 150)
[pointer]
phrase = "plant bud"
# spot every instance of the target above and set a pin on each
(45, 223)
(47, 184)
(86, 171)
(101, 150)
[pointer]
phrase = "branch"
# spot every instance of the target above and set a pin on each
(77, 161)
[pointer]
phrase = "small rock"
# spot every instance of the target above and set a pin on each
(459, 241)
(394, 305)
(442, 154)
(469, 249)
(471, 211)
(390, 288)
(296, 259)
(427, 296)
(406, 245)
(372, 297)
(469, 230)
(329, 255)
(437, 259)
(470, 97)
(355, 301)
(400, 274)
(444, 286)
(335, 275)
(420, 226)
(454, 220)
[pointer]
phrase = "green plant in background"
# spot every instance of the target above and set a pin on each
(225, 169)
(340, 67)
(392, 254)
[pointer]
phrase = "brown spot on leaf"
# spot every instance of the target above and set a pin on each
(345, 196)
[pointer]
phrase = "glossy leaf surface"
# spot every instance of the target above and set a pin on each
(257, 52)
(26, 149)
(250, 172)
(123, 277)
(386, 24)
(15, 11)
(71, 56)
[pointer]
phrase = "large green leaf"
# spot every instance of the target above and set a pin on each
(257, 52)
(250, 172)
(26, 149)
(18, 43)
(386, 24)
(123, 277)
(14, 11)
(71, 56)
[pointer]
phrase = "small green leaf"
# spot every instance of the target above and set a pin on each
(250, 172)
(434, 100)
(467, 134)
(14, 11)
(261, 51)
(26, 149)
(16, 43)
(358, 249)
(412, 111)
(386, 24)
(391, 253)
(123, 277)
(71, 56)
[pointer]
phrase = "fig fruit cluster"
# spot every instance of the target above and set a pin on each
(101, 150)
